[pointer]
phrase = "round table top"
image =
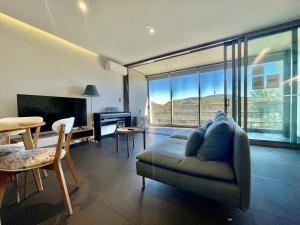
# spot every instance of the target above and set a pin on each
(10, 126)
(130, 129)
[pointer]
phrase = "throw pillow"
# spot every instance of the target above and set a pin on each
(217, 142)
(219, 114)
(195, 141)
(206, 124)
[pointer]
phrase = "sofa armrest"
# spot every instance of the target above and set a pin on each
(242, 165)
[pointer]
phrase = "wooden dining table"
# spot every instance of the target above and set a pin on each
(29, 141)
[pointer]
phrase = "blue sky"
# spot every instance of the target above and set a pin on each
(187, 86)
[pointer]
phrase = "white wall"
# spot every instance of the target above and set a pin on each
(33, 63)
(137, 93)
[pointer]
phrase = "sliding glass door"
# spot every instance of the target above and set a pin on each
(271, 97)
(212, 91)
(297, 80)
(255, 79)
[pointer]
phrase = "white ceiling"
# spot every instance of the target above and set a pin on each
(116, 28)
(270, 44)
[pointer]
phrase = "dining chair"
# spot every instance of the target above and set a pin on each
(69, 122)
(40, 158)
(8, 147)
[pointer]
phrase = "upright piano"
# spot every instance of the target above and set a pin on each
(105, 123)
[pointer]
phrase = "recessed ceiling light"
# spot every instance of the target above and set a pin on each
(150, 29)
(82, 6)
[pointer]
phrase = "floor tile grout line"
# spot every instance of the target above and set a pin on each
(275, 181)
(113, 210)
(271, 214)
(252, 217)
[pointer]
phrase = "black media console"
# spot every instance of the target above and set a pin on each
(109, 118)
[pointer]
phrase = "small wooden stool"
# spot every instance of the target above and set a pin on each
(129, 131)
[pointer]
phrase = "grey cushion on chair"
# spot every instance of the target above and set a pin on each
(196, 139)
(25, 160)
(217, 141)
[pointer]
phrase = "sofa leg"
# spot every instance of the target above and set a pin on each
(143, 179)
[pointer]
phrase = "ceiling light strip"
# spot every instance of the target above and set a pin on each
(38, 31)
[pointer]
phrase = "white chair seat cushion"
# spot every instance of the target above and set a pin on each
(26, 160)
(12, 148)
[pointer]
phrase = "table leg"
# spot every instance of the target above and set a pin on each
(28, 142)
(117, 142)
(133, 139)
(144, 138)
(127, 142)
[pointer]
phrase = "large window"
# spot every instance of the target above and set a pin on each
(160, 100)
(178, 98)
(266, 104)
(185, 98)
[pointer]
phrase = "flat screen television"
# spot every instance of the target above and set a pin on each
(52, 109)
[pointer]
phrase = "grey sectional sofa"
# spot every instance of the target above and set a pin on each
(225, 181)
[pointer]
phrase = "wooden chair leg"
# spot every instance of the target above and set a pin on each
(45, 173)
(63, 187)
(26, 184)
(72, 169)
(37, 179)
(16, 187)
(3, 182)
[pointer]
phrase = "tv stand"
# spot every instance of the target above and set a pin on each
(83, 133)
(46, 139)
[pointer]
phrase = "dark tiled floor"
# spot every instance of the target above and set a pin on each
(111, 193)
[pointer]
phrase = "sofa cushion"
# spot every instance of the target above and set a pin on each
(217, 142)
(180, 136)
(170, 146)
(206, 124)
(219, 114)
(196, 139)
(188, 165)
(183, 134)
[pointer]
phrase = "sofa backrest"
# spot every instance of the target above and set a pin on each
(241, 164)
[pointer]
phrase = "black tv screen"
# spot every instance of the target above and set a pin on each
(52, 109)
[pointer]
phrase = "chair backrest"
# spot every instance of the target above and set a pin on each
(62, 127)
(68, 122)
